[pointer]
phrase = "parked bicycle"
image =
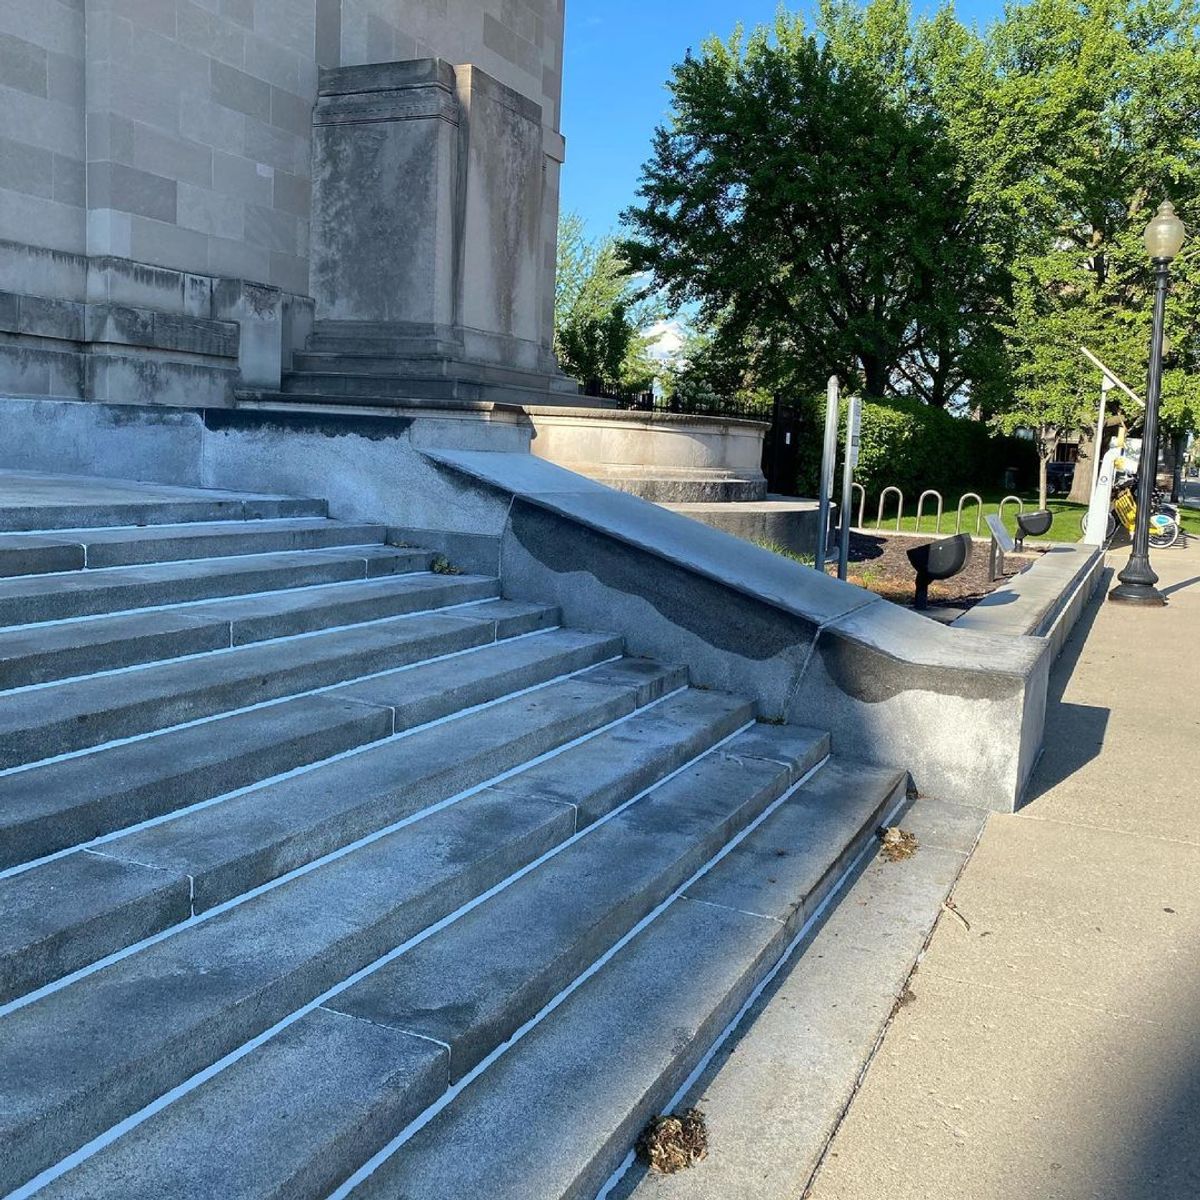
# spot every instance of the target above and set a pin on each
(1164, 516)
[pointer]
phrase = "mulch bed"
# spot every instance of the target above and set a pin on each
(880, 563)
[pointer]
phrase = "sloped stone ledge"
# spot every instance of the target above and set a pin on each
(962, 710)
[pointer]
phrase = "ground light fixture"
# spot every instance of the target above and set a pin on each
(1164, 239)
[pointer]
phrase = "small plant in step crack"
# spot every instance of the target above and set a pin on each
(441, 565)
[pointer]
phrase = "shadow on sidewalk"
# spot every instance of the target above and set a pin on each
(1074, 732)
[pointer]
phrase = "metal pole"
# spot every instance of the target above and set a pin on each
(1098, 443)
(1138, 578)
(853, 425)
(828, 468)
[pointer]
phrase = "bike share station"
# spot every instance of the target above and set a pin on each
(1044, 600)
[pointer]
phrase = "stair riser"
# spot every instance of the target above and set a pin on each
(27, 518)
(295, 745)
(243, 541)
(120, 596)
(39, 559)
(141, 716)
(68, 661)
(351, 386)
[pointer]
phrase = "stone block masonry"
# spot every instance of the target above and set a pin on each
(151, 150)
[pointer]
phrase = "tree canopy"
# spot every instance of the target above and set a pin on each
(932, 209)
(600, 318)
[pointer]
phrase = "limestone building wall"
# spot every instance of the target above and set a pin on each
(177, 134)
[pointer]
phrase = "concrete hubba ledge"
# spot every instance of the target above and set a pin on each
(963, 711)
(1043, 601)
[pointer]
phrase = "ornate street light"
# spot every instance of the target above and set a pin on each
(1164, 238)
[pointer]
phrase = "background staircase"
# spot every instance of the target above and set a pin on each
(324, 873)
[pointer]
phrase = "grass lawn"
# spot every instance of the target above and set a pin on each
(1067, 525)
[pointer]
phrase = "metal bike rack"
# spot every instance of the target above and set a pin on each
(899, 509)
(862, 505)
(1011, 500)
(978, 511)
(921, 503)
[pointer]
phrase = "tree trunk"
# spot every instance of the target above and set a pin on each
(1047, 444)
(1178, 445)
(1081, 485)
(875, 375)
(1043, 463)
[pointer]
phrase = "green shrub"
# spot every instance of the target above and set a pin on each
(907, 444)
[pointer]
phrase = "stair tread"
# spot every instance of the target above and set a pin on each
(86, 712)
(631, 1024)
(246, 840)
(678, 836)
(474, 984)
(40, 653)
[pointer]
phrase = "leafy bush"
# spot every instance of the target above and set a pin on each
(908, 444)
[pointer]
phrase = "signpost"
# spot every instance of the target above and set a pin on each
(853, 429)
(828, 468)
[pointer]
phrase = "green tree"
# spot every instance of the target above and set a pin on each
(601, 317)
(803, 208)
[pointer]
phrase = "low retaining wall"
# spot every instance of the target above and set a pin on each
(1043, 601)
(963, 711)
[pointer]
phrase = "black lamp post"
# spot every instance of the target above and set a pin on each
(1164, 238)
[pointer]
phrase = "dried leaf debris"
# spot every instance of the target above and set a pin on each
(674, 1143)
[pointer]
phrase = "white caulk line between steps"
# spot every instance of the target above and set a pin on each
(304, 769)
(304, 635)
(447, 1097)
(131, 1122)
(273, 703)
(352, 552)
(801, 936)
(197, 600)
(209, 914)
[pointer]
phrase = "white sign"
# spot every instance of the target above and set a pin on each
(1095, 530)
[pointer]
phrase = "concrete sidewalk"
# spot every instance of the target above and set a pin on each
(1051, 1047)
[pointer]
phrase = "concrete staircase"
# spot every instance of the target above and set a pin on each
(322, 873)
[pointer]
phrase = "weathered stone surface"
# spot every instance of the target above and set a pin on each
(536, 1124)
(348, 1084)
(248, 839)
(86, 712)
(84, 1057)
(66, 914)
(476, 983)
(60, 804)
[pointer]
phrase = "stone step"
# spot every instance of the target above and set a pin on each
(29, 554)
(87, 1055)
(42, 653)
(250, 839)
(119, 504)
(25, 600)
(57, 908)
(466, 988)
(59, 718)
(535, 1123)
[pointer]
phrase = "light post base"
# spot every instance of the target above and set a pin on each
(1137, 584)
(1145, 594)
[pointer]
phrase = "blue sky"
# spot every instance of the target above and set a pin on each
(618, 56)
